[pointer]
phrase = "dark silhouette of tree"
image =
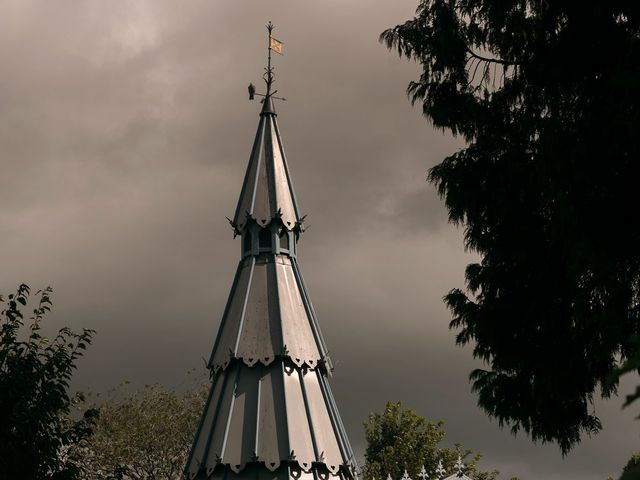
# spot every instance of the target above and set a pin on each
(37, 433)
(546, 95)
(631, 364)
(631, 470)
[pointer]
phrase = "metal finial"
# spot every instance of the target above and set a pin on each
(459, 466)
(268, 75)
(405, 475)
(440, 471)
(423, 473)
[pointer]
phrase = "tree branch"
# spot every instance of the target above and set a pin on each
(491, 60)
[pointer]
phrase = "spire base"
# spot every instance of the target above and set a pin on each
(267, 106)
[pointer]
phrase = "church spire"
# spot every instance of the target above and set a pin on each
(267, 193)
(270, 414)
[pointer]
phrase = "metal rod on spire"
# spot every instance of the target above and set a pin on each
(269, 78)
(277, 46)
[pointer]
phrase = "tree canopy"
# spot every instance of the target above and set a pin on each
(631, 470)
(546, 96)
(37, 433)
(143, 435)
(399, 439)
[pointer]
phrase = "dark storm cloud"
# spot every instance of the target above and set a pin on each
(125, 131)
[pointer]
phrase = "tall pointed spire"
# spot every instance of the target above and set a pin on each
(270, 414)
(267, 192)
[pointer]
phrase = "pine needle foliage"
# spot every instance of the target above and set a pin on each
(546, 94)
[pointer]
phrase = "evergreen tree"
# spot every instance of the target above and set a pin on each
(546, 95)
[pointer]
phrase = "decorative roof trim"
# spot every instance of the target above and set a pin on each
(298, 226)
(308, 364)
(271, 416)
(287, 470)
(268, 316)
(267, 191)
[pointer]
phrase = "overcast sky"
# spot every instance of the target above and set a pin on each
(125, 130)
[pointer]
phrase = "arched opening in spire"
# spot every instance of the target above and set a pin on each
(264, 239)
(284, 239)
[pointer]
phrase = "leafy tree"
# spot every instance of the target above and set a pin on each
(144, 435)
(631, 470)
(399, 439)
(632, 364)
(546, 95)
(36, 431)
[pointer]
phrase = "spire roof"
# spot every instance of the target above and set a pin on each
(267, 192)
(270, 414)
(269, 315)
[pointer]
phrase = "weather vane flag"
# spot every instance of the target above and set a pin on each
(275, 45)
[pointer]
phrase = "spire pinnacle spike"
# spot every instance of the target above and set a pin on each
(268, 76)
(273, 44)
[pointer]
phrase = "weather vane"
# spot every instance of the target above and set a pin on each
(276, 46)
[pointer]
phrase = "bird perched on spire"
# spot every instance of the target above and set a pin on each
(252, 91)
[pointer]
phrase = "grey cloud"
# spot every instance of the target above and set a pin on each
(125, 131)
